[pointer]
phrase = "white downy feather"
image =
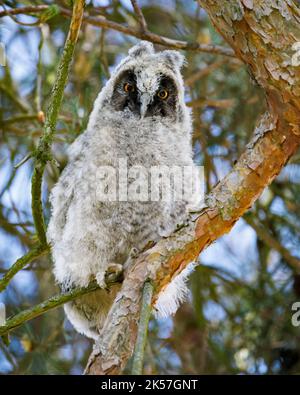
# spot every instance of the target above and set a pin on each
(174, 294)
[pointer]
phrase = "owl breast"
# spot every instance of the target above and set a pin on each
(94, 231)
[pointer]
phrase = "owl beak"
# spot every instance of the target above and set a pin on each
(145, 99)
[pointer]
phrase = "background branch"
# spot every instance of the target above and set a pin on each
(139, 13)
(267, 238)
(143, 35)
(21, 263)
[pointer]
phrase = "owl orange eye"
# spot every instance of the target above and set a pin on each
(128, 87)
(163, 94)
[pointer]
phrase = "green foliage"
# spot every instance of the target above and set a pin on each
(49, 13)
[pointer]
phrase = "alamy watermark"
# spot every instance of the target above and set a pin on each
(124, 183)
(296, 315)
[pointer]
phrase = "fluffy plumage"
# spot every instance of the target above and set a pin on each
(87, 234)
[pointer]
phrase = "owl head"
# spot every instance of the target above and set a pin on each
(147, 85)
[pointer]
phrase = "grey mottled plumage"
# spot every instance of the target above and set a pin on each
(131, 119)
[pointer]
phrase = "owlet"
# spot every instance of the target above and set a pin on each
(109, 201)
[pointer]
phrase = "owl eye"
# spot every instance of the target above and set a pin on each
(128, 87)
(163, 94)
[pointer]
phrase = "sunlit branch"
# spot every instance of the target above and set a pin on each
(143, 35)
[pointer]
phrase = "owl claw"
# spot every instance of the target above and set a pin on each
(132, 255)
(112, 273)
(114, 268)
(134, 252)
(100, 278)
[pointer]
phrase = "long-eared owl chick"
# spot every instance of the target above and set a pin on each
(110, 200)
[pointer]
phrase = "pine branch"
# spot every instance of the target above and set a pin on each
(41, 308)
(43, 152)
(24, 10)
(52, 303)
(140, 15)
(143, 35)
(36, 252)
(20, 118)
(264, 235)
(14, 96)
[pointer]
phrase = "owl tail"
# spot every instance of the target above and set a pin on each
(170, 299)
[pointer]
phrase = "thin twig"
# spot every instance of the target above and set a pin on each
(38, 89)
(24, 10)
(138, 356)
(22, 161)
(217, 103)
(140, 15)
(41, 308)
(14, 97)
(8, 184)
(155, 38)
(148, 36)
(21, 262)
(264, 235)
(12, 16)
(195, 76)
(52, 303)
(20, 118)
(6, 225)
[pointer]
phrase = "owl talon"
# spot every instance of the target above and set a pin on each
(100, 278)
(113, 272)
(131, 257)
(133, 252)
(114, 268)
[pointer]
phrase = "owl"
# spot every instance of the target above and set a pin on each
(140, 120)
